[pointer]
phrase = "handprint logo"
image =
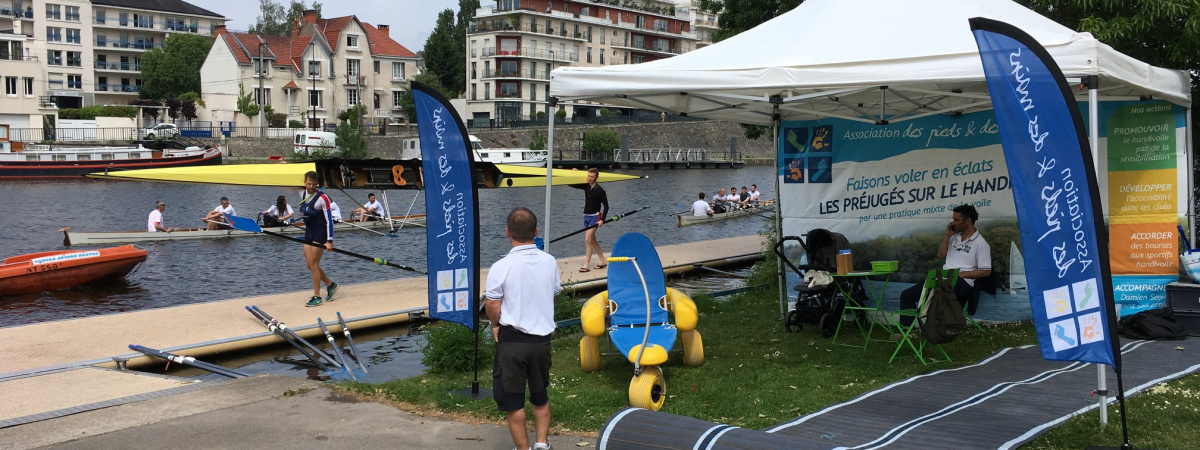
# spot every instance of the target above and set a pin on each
(795, 171)
(820, 138)
(1090, 328)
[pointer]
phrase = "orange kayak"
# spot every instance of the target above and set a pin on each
(49, 271)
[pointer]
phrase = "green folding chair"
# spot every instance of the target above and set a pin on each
(906, 333)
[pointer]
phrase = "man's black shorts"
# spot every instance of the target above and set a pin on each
(517, 365)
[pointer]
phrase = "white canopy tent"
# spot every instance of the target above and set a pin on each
(873, 61)
(866, 60)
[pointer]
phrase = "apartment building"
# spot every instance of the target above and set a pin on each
(704, 23)
(75, 53)
(325, 67)
(513, 46)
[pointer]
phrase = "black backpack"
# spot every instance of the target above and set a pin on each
(944, 318)
(1154, 324)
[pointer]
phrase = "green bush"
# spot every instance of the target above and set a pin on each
(561, 113)
(538, 141)
(94, 111)
(449, 348)
(605, 111)
(600, 142)
(277, 120)
(295, 124)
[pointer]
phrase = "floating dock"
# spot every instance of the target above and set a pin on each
(59, 368)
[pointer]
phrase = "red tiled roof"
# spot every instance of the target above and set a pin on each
(383, 45)
(285, 50)
(299, 46)
(331, 29)
(236, 48)
(291, 85)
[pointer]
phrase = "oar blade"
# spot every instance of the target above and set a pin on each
(243, 224)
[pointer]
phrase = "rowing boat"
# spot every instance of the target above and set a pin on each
(62, 269)
(108, 237)
(761, 208)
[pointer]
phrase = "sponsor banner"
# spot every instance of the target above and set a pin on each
(452, 230)
(1136, 293)
(1137, 194)
(1144, 249)
(64, 257)
(1054, 188)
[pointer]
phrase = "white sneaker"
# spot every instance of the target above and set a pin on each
(541, 446)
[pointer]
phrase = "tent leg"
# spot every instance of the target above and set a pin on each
(1094, 141)
(549, 172)
(776, 100)
(1191, 178)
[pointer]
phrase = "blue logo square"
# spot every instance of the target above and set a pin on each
(795, 140)
(820, 169)
(822, 139)
(793, 170)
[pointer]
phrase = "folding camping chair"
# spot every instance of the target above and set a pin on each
(906, 333)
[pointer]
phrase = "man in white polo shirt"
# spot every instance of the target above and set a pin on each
(964, 249)
(701, 208)
(520, 303)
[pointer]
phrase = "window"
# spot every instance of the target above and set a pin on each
(509, 69)
(101, 84)
(143, 21)
(472, 71)
(601, 36)
(73, 13)
(28, 87)
(10, 85)
(16, 51)
(314, 68)
(263, 97)
(73, 36)
(487, 91)
(589, 34)
(352, 67)
(75, 59)
(510, 90)
(589, 54)
(601, 57)
(54, 57)
(53, 34)
(100, 16)
(74, 81)
(352, 97)
(397, 96)
(639, 42)
(314, 98)
(532, 92)
(351, 40)
(473, 91)
(473, 48)
(640, 22)
(661, 25)
(123, 19)
(53, 12)
(376, 64)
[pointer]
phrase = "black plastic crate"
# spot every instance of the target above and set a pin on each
(1184, 297)
(1190, 322)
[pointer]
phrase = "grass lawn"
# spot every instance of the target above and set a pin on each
(756, 375)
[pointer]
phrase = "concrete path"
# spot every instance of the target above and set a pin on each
(254, 413)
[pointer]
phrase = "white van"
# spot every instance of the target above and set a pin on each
(307, 142)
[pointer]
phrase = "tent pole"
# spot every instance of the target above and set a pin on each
(553, 102)
(1191, 175)
(777, 100)
(1094, 141)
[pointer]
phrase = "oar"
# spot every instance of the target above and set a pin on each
(188, 361)
(353, 348)
(610, 219)
(337, 351)
(247, 224)
(279, 332)
(391, 235)
(284, 327)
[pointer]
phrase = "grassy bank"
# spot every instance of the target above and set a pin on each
(756, 375)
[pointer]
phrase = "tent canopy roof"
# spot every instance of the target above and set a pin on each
(866, 60)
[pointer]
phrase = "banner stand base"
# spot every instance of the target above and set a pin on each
(474, 392)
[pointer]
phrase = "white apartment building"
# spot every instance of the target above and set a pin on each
(325, 67)
(84, 52)
(703, 23)
(513, 46)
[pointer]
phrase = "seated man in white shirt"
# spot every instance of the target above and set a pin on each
(372, 210)
(719, 201)
(754, 194)
(215, 219)
(701, 208)
(964, 249)
(335, 211)
(154, 223)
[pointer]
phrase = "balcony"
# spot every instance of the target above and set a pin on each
(116, 67)
(355, 80)
(135, 45)
(550, 55)
(180, 27)
(668, 11)
(661, 50)
(524, 74)
(503, 27)
(118, 88)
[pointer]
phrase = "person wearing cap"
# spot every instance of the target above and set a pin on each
(154, 223)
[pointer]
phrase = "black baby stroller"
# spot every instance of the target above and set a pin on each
(818, 299)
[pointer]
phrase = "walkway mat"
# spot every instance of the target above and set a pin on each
(1001, 402)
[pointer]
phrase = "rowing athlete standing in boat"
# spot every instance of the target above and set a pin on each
(372, 210)
(318, 228)
(594, 198)
(216, 218)
(277, 213)
(155, 222)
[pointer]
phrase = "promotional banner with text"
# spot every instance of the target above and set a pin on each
(892, 184)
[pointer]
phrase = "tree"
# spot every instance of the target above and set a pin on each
(538, 141)
(466, 15)
(600, 142)
(426, 77)
(351, 140)
(276, 20)
(174, 68)
(441, 52)
(245, 102)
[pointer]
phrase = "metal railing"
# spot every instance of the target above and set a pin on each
(541, 121)
(73, 134)
(17, 13)
(533, 53)
(672, 155)
(533, 75)
(111, 87)
(117, 66)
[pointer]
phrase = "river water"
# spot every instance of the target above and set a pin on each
(184, 272)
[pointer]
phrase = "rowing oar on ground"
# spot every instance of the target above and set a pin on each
(279, 332)
(353, 349)
(610, 220)
(188, 361)
(391, 235)
(282, 326)
(248, 224)
(337, 351)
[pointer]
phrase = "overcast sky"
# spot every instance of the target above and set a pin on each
(411, 21)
